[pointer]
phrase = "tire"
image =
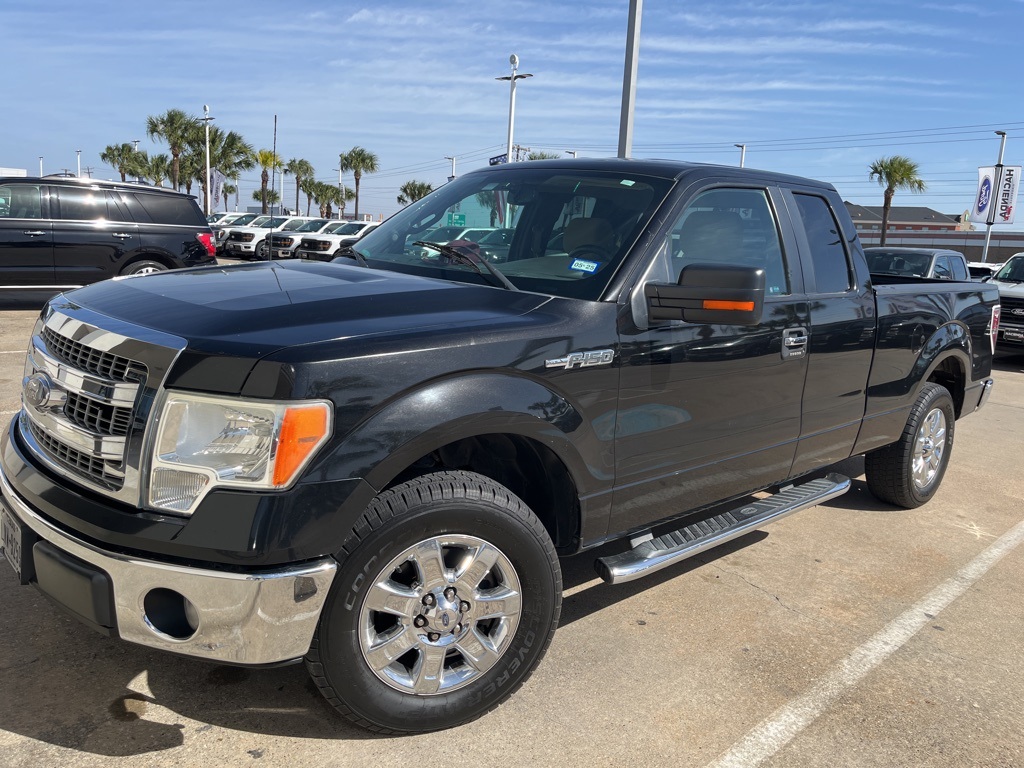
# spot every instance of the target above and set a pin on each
(145, 267)
(909, 472)
(392, 619)
(262, 251)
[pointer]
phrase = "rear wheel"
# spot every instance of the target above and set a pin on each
(145, 267)
(909, 472)
(446, 598)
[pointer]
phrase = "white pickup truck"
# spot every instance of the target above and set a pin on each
(251, 242)
(325, 245)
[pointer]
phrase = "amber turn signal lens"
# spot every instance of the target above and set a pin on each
(303, 430)
(741, 306)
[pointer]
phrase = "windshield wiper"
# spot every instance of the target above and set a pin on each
(470, 261)
(349, 252)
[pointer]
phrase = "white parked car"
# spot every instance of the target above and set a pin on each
(283, 244)
(325, 246)
(251, 241)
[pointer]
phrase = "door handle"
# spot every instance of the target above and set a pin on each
(794, 343)
(33, 232)
(122, 235)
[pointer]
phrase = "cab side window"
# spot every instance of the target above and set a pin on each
(730, 226)
(20, 201)
(942, 268)
(831, 264)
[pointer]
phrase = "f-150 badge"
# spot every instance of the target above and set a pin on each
(582, 359)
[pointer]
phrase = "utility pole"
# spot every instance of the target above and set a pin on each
(452, 177)
(88, 170)
(206, 120)
(629, 79)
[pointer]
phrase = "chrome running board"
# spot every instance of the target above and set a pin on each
(657, 553)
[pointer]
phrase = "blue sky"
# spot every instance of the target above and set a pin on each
(817, 89)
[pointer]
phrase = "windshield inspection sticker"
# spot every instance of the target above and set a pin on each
(583, 265)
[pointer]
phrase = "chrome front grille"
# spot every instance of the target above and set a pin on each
(97, 416)
(93, 360)
(106, 473)
(90, 383)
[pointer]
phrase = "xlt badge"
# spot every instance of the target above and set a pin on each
(582, 359)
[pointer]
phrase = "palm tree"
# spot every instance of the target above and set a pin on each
(267, 160)
(359, 161)
(157, 169)
(175, 127)
(122, 158)
(228, 189)
(896, 172)
(543, 156)
(300, 169)
(267, 197)
(309, 189)
(414, 190)
(229, 154)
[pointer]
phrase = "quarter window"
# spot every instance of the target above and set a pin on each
(831, 265)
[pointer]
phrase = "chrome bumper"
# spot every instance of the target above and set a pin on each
(986, 390)
(254, 618)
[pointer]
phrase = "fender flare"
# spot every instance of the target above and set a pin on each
(406, 428)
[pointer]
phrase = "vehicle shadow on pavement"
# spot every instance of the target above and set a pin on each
(21, 300)
(82, 691)
(1013, 363)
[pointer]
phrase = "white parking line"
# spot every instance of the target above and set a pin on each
(772, 734)
(13, 352)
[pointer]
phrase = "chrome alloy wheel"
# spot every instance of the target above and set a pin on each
(439, 615)
(148, 271)
(929, 446)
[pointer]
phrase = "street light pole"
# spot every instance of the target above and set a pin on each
(514, 61)
(629, 79)
(743, 153)
(78, 157)
(206, 120)
(40, 165)
(571, 152)
(452, 177)
(990, 220)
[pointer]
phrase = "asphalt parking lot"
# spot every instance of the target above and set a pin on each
(851, 634)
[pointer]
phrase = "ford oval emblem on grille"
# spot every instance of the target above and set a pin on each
(37, 390)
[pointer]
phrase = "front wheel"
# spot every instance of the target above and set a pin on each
(908, 472)
(446, 598)
(262, 250)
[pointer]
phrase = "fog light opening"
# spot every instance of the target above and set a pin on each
(170, 613)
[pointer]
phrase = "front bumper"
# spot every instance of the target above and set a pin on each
(251, 618)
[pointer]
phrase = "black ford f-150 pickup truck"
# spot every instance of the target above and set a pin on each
(375, 464)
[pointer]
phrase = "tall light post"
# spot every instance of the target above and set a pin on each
(514, 61)
(206, 121)
(452, 158)
(78, 157)
(743, 153)
(571, 152)
(40, 165)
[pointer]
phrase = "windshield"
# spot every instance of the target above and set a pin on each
(270, 223)
(311, 226)
(566, 231)
(1013, 270)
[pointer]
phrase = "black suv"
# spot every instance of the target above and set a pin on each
(58, 232)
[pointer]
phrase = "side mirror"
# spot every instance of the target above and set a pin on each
(708, 294)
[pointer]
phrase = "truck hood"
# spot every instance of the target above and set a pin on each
(253, 310)
(1009, 289)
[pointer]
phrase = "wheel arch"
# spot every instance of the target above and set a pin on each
(512, 429)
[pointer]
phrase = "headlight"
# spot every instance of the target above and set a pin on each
(204, 442)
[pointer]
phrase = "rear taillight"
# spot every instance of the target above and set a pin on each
(994, 327)
(206, 238)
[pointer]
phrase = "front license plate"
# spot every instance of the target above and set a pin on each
(10, 536)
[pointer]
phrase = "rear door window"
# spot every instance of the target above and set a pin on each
(942, 268)
(82, 204)
(829, 259)
(959, 268)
